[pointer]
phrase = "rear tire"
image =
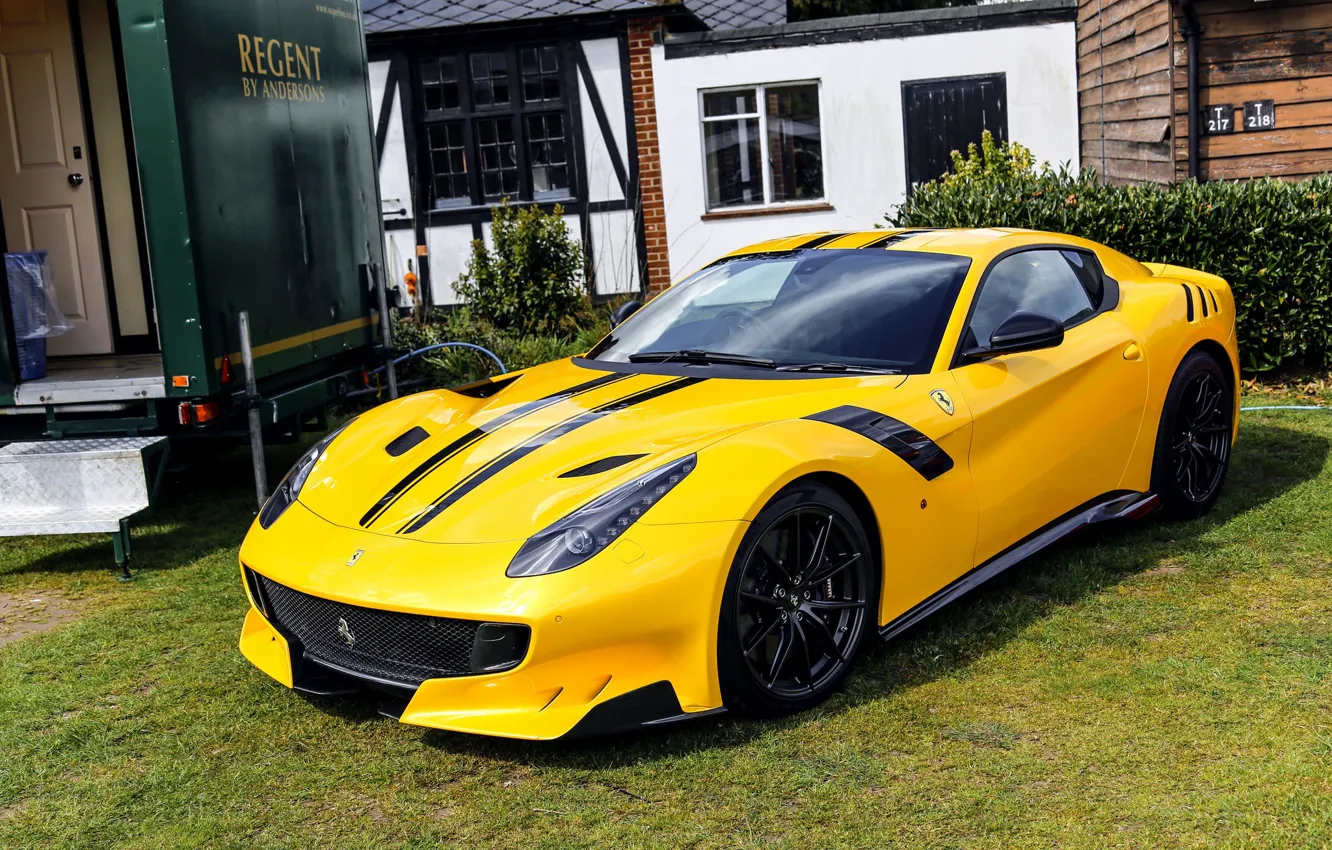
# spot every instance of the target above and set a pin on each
(1193, 442)
(800, 598)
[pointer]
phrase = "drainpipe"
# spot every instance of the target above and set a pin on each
(1192, 32)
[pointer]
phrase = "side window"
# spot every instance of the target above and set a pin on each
(1057, 283)
(1089, 274)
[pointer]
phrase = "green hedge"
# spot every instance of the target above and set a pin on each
(451, 367)
(1272, 240)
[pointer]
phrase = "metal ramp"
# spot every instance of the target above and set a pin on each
(80, 487)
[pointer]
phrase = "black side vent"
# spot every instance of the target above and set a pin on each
(889, 241)
(919, 451)
(1215, 307)
(596, 467)
(403, 444)
(1188, 297)
(1202, 298)
(484, 388)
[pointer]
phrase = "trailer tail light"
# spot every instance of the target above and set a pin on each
(225, 377)
(199, 413)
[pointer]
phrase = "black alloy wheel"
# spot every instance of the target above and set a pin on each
(800, 598)
(1193, 445)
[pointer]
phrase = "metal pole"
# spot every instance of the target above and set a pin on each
(1192, 32)
(256, 426)
(387, 322)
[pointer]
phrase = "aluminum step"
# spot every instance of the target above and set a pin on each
(75, 486)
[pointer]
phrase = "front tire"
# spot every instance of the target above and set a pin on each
(1193, 442)
(799, 600)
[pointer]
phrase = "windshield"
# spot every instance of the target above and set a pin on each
(830, 308)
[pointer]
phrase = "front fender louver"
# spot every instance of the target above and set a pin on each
(919, 451)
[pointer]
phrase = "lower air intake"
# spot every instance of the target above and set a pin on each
(403, 649)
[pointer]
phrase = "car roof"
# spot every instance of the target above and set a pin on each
(981, 244)
(968, 241)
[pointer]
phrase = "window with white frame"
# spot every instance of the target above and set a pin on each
(763, 145)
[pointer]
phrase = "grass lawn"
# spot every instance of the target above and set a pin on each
(1148, 685)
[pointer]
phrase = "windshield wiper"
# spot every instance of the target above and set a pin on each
(693, 356)
(838, 367)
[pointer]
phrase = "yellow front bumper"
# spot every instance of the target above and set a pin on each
(642, 613)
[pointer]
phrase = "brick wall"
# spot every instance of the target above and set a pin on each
(653, 202)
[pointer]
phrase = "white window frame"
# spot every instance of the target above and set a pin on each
(761, 102)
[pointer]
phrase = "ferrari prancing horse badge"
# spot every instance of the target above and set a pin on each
(943, 400)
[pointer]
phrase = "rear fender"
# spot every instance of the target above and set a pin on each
(1158, 311)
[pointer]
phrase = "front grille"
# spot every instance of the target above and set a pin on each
(389, 646)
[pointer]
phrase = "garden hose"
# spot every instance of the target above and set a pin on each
(418, 352)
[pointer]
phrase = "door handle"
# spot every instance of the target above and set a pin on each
(1133, 352)
(75, 179)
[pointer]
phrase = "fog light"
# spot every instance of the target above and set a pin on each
(499, 646)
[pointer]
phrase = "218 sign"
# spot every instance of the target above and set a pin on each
(1260, 115)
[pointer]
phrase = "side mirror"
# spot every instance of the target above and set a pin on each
(624, 311)
(1020, 332)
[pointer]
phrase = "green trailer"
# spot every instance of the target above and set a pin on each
(183, 161)
(201, 175)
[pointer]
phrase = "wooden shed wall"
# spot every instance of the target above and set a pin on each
(1250, 50)
(1124, 87)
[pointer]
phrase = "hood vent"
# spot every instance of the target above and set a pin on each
(403, 444)
(484, 388)
(596, 467)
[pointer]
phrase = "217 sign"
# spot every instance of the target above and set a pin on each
(1220, 119)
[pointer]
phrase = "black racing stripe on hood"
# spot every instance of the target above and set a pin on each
(517, 453)
(443, 455)
(894, 238)
(819, 240)
(919, 451)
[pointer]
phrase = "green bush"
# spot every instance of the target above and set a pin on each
(1271, 240)
(449, 367)
(532, 282)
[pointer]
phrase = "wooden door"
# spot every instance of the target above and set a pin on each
(942, 116)
(46, 193)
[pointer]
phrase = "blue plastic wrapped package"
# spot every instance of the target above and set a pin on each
(32, 298)
(33, 307)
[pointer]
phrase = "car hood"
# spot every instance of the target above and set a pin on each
(451, 467)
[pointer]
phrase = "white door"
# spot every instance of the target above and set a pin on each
(46, 194)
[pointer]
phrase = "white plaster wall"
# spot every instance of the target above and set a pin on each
(861, 115)
(450, 249)
(603, 60)
(394, 187)
(615, 251)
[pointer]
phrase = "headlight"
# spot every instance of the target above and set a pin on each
(291, 485)
(597, 525)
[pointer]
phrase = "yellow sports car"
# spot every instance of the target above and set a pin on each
(806, 443)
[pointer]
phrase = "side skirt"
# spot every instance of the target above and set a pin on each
(1111, 506)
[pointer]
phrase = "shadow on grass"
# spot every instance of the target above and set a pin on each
(1269, 461)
